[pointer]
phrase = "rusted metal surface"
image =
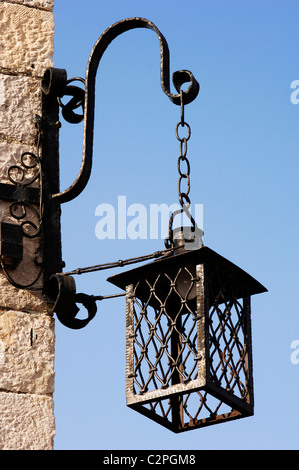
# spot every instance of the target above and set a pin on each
(188, 339)
(52, 251)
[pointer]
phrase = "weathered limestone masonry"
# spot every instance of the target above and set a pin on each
(26, 327)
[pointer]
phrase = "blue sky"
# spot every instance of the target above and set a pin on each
(243, 154)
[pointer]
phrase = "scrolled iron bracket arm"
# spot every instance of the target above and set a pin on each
(179, 78)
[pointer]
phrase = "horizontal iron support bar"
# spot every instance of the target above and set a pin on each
(11, 192)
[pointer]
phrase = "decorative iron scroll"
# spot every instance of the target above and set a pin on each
(77, 101)
(26, 203)
(19, 208)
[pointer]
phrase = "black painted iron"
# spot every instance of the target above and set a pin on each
(179, 78)
(11, 246)
(55, 86)
(188, 339)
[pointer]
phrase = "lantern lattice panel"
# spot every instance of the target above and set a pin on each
(189, 358)
(165, 340)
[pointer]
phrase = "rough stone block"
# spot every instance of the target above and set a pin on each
(11, 154)
(27, 422)
(12, 298)
(26, 41)
(42, 4)
(20, 101)
(27, 343)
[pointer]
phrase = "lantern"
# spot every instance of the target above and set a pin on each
(188, 339)
(188, 333)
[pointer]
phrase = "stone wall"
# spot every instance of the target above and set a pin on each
(26, 328)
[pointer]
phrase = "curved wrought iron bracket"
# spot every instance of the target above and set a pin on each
(60, 289)
(179, 78)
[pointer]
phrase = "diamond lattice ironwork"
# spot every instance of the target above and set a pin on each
(189, 340)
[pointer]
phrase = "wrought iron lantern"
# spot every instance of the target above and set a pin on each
(188, 339)
(188, 333)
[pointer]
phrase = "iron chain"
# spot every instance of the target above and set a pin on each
(183, 160)
(184, 174)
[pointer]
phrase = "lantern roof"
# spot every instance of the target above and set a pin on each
(247, 285)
